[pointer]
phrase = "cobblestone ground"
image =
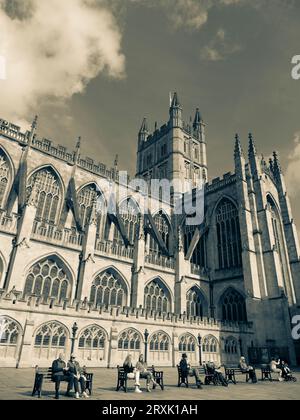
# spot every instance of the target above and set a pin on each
(17, 385)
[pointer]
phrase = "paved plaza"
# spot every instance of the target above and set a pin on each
(17, 385)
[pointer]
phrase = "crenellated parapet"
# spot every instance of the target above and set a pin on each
(127, 315)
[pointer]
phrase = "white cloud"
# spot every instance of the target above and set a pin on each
(292, 173)
(53, 49)
(219, 47)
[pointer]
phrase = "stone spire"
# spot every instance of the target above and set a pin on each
(252, 148)
(277, 166)
(197, 120)
(175, 112)
(77, 151)
(33, 130)
(144, 131)
(238, 151)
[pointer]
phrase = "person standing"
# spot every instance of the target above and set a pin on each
(60, 374)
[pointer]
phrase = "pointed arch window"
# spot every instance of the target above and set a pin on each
(163, 226)
(86, 198)
(48, 279)
(157, 297)
(187, 343)
(5, 177)
(233, 307)
(210, 344)
(195, 303)
(9, 332)
(50, 336)
(228, 235)
(92, 338)
(108, 289)
(277, 233)
(129, 212)
(48, 194)
(159, 342)
(231, 346)
(129, 339)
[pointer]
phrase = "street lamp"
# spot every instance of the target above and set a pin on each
(200, 348)
(241, 346)
(74, 331)
(146, 335)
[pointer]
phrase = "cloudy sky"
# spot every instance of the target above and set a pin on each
(95, 68)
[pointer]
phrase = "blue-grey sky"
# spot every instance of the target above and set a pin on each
(95, 68)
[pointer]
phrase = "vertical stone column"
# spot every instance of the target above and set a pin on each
(138, 273)
(21, 245)
(87, 262)
(25, 353)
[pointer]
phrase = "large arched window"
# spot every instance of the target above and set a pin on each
(231, 346)
(48, 278)
(129, 212)
(130, 339)
(228, 235)
(9, 331)
(199, 256)
(163, 226)
(5, 177)
(187, 343)
(277, 233)
(233, 306)
(50, 339)
(157, 297)
(109, 289)
(49, 194)
(159, 341)
(210, 344)
(196, 304)
(86, 198)
(92, 338)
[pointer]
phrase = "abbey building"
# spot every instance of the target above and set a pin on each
(75, 276)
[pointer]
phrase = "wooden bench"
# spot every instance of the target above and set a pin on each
(266, 373)
(123, 378)
(44, 375)
(183, 379)
(231, 372)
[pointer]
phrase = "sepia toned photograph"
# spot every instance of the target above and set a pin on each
(149, 203)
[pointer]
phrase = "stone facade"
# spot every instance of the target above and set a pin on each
(142, 283)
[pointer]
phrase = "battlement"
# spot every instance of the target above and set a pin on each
(13, 132)
(111, 313)
(219, 183)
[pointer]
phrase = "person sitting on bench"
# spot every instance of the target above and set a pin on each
(248, 369)
(59, 374)
(76, 372)
(274, 366)
(213, 370)
(142, 367)
(186, 370)
(132, 373)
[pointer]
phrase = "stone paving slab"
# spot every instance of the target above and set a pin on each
(16, 384)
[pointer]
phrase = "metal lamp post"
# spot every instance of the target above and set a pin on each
(200, 348)
(146, 335)
(74, 331)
